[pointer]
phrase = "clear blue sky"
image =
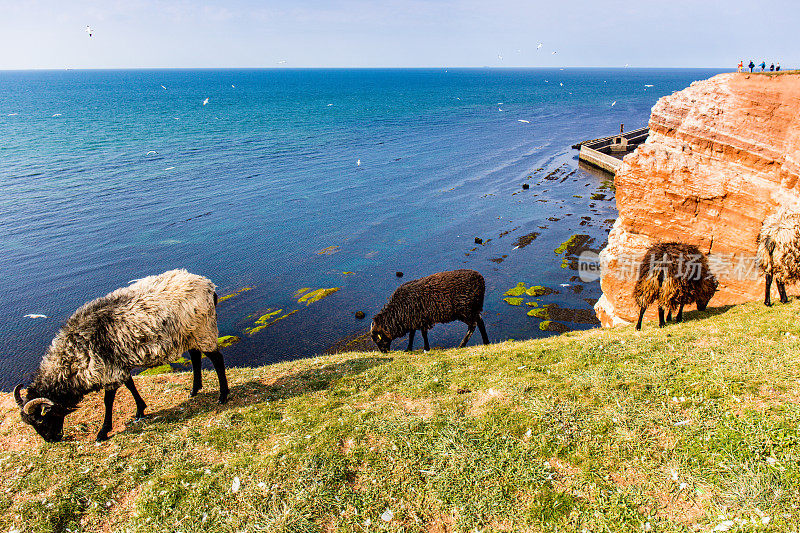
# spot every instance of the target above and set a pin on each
(396, 33)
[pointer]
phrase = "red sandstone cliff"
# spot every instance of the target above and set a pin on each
(721, 155)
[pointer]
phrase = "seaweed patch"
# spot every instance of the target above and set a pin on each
(519, 290)
(231, 295)
(227, 340)
(266, 320)
(549, 325)
(511, 300)
(525, 240)
(315, 295)
(330, 250)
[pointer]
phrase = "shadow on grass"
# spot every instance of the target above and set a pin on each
(242, 394)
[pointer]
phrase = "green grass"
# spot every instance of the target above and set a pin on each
(681, 428)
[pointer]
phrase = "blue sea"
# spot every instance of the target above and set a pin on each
(276, 183)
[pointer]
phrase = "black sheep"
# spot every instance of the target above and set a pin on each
(674, 274)
(435, 299)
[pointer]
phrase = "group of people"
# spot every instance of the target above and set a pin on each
(772, 68)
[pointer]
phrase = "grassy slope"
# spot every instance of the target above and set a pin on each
(682, 428)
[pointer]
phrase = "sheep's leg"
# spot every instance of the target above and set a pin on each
(641, 316)
(140, 405)
(108, 400)
(782, 292)
(482, 329)
(197, 377)
(219, 366)
(679, 316)
(661, 322)
(411, 340)
(767, 288)
(466, 338)
(427, 346)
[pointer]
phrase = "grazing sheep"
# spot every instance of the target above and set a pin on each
(149, 323)
(778, 252)
(436, 299)
(674, 274)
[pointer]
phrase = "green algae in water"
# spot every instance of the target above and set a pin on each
(519, 290)
(513, 301)
(564, 263)
(267, 320)
(540, 313)
(330, 250)
(549, 325)
(539, 290)
(532, 304)
(227, 340)
(240, 291)
(566, 244)
(299, 292)
(317, 295)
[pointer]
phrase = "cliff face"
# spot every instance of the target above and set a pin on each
(721, 155)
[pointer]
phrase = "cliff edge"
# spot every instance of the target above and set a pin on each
(721, 155)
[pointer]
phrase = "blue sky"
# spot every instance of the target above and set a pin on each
(395, 33)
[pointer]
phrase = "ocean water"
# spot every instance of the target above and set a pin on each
(288, 181)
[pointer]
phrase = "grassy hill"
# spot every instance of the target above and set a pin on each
(690, 427)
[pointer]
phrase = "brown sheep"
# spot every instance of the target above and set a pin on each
(435, 299)
(674, 274)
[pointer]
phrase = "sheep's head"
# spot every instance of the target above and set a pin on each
(46, 417)
(381, 337)
(707, 290)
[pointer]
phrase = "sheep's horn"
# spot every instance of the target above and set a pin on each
(17, 395)
(33, 404)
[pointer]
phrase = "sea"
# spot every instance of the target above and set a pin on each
(307, 196)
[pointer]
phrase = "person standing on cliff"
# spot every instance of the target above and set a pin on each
(751, 65)
(772, 67)
(763, 65)
(778, 67)
(739, 67)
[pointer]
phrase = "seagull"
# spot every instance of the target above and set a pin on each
(89, 30)
(613, 103)
(163, 87)
(32, 315)
(358, 163)
(205, 101)
(554, 52)
(233, 86)
(282, 62)
(523, 121)
(500, 57)
(539, 46)
(151, 152)
(648, 85)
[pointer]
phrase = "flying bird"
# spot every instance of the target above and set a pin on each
(523, 121)
(539, 46)
(613, 103)
(205, 101)
(554, 52)
(163, 87)
(32, 315)
(89, 30)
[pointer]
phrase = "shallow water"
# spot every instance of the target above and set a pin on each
(108, 177)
